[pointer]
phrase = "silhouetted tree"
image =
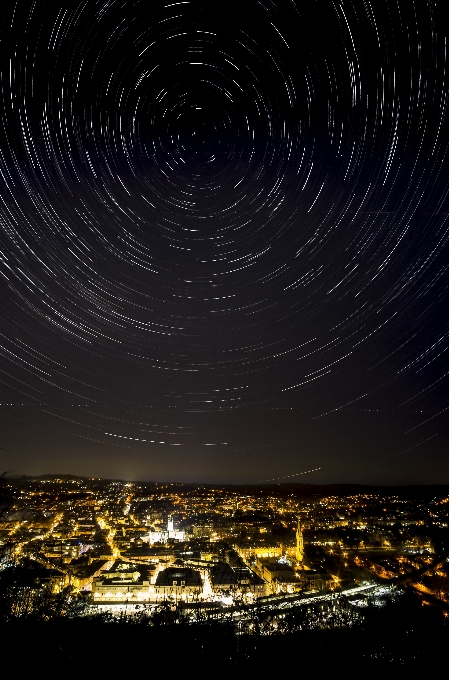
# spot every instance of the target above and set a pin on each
(5, 493)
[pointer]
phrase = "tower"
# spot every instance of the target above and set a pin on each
(299, 543)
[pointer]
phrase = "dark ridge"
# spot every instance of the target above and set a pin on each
(415, 491)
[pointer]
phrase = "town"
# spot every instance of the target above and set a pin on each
(123, 545)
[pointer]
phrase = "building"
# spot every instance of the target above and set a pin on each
(122, 583)
(223, 578)
(163, 535)
(81, 576)
(144, 553)
(250, 550)
(281, 577)
(179, 581)
(249, 581)
(157, 536)
(202, 530)
(65, 549)
(316, 579)
(299, 543)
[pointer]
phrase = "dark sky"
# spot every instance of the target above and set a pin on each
(224, 240)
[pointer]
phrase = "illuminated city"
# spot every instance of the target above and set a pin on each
(126, 544)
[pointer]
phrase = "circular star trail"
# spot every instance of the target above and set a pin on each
(224, 239)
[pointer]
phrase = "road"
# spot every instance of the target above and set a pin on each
(274, 603)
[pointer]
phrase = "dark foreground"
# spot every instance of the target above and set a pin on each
(402, 635)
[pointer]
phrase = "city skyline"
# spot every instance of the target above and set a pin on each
(282, 564)
(224, 242)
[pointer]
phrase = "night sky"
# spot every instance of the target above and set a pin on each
(224, 240)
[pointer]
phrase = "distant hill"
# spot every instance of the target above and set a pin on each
(416, 491)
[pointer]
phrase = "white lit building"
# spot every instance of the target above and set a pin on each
(163, 535)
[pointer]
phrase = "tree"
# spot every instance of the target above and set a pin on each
(26, 592)
(5, 492)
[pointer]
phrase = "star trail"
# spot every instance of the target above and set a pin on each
(224, 240)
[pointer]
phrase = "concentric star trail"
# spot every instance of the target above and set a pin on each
(290, 477)
(224, 222)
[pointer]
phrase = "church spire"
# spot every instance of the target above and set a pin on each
(299, 543)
